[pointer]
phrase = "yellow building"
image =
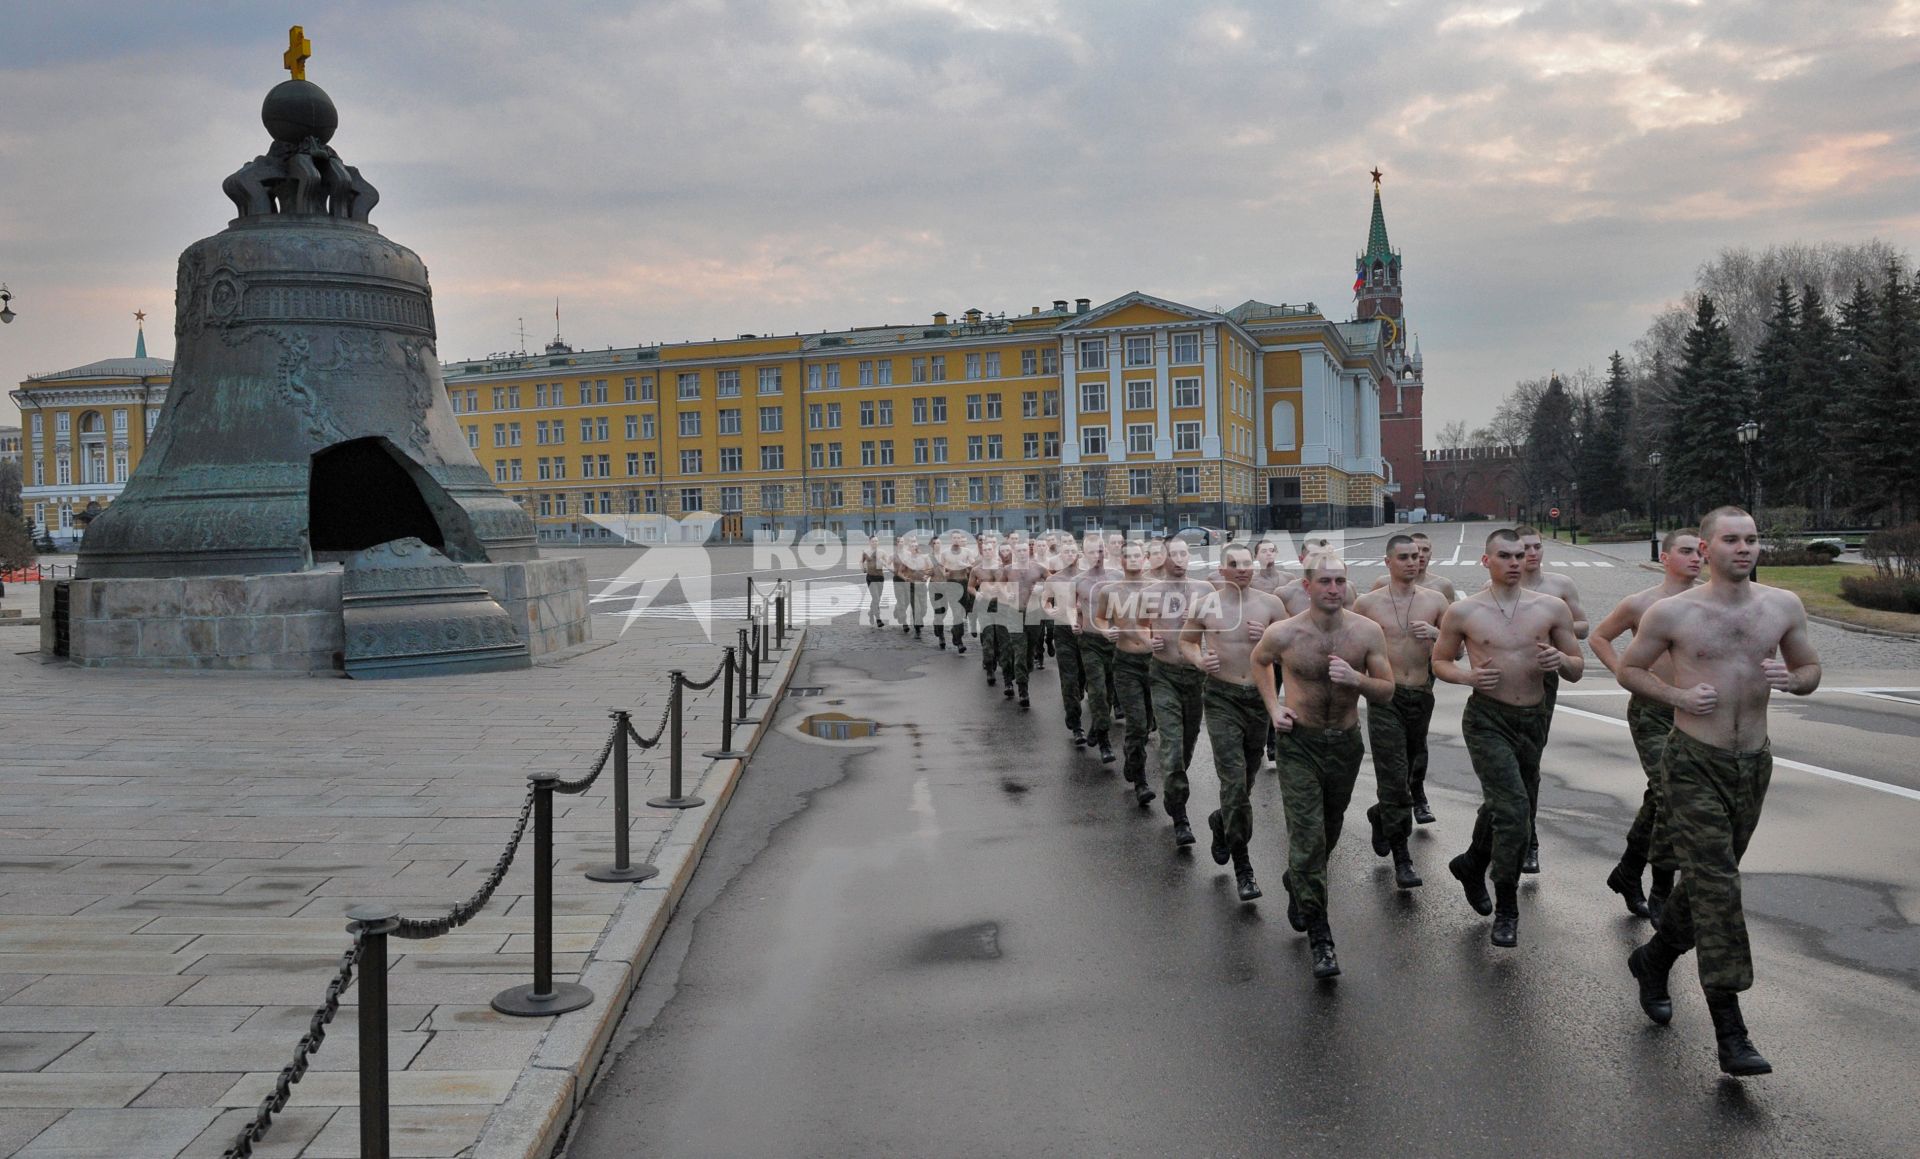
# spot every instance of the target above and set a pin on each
(1141, 413)
(82, 433)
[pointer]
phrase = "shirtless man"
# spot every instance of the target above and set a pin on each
(1214, 640)
(986, 553)
(986, 585)
(1332, 658)
(946, 589)
(1721, 639)
(1513, 638)
(1057, 594)
(1017, 578)
(1409, 616)
(1178, 686)
(873, 562)
(908, 609)
(1554, 584)
(1096, 651)
(1121, 613)
(1438, 583)
(1268, 575)
(1649, 722)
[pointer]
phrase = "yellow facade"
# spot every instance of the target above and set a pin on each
(82, 432)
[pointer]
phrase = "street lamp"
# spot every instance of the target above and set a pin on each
(1748, 434)
(6, 303)
(1653, 508)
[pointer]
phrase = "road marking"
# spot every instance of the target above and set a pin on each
(1882, 694)
(1816, 770)
(1462, 543)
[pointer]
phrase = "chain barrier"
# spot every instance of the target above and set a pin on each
(309, 1044)
(702, 685)
(661, 731)
(568, 788)
(420, 929)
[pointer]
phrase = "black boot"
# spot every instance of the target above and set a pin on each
(916, 632)
(1404, 875)
(1079, 739)
(1325, 965)
(1106, 750)
(1473, 880)
(1295, 918)
(1380, 845)
(1182, 832)
(1657, 898)
(1008, 690)
(1243, 874)
(1649, 965)
(989, 678)
(940, 634)
(1219, 849)
(1532, 862)
(1143, 793)
(1626, 883)
(1506, 915)
(1421, 813)
(959, 645)
(1737, 1055)
(1023, 694)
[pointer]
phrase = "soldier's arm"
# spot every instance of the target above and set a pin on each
(1378, 584)
(1191, 634)
(1571, 595)
(1652, 638)
(1377, 685)
(1266, 653)
(1619, 620)
(1797, 656)
(1447, 649)
(1573, 665)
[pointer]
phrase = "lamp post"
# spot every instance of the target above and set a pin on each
(6, 303)
(1653, 508)
(1748, 434)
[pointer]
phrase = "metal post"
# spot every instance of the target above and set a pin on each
(674, 800)
(745, 696)
(780, 618)
(729, 658)
(758, 654)
(375, 922)
(544, 996)
(622, 869)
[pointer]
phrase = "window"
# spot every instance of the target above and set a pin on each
(833, 455)
(1140, 394)
(633, 426)
(586, 466)
(1049, 360)
(646, 426)
(816, 455)
(993, 406)
(886, 452)
(1093, 440)
(689, 423)
(817, 494)
(769, 380)
(919, 410)
(729, 421)
(1186, 436)
(869, 454)
(689, 499)
(1093, 396)
(499, 434)
(1049, 444)
(943, 490)
(887, 492)
(939, 368)
(37, 425)
(540, 433)
(1029, 404)
(976, 448)
(884, 371)
(629, 390)
(866, 493)
(939, 410)
(813, 377)
(731, 459)
(1050, 404)
(772, 420)
(546, 506)
(120, 421)
(513, 398)
(1030, 445)
(730, 501)
(995, 448)
(886, 412)
(473, 404)
(543, 468)
(1093, 354)
(1140, 482)
(1030, 487)
(652, 501)
(119, 466)
(726, 384)
(836, 493)
(600, 395)
(833, 416)
(1186, 392)
(974, 408)
(866, 372)
(586, 430)
(976, 489)
(632, 499)
(473, 437)
(993, 364)
(633, 463)
(773, 496)
(1283, 426)
(920, 452)
(816, 416)
(690, 462)
(559, 467)
(973, 366)
(499, 398)
(646, 388)
(499, 470)
(1140, 350)
(1187, 480)
(940, 449)
(689, 385)
(919, 370)
(1139, 438)
(647, 462)
(773, 458)
(922, 491)
(513, 471)
(1029, 362)
(513, 434)
(867, 413)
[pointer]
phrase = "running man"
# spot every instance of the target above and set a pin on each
(1514, 638)
(1121, 614)
(953, 567)
(1178, 687)
(1062, 608)
(1268, 575)
(1332, 657)
(1554, 584)
(1649, 722)
(1409, 616)
(874, 564)
(985, 583)
(1438, 583)
(1722, 639)
(1214, 640)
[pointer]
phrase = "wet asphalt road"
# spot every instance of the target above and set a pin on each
(962, 938)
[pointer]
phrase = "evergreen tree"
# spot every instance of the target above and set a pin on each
(1853, 418)
(1882, 419)
(1811, 441)
(1607, 447)
(1772, 379)
(1704, 465)
(1548, 459)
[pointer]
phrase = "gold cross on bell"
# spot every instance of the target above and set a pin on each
(299, 48)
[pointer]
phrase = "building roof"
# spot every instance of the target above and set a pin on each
(112, 368)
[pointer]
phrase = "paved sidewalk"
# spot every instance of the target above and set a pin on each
(180, 850)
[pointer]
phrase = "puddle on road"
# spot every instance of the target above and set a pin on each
(979, 942)
(837, 726)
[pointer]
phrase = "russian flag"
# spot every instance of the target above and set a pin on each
(1359, 282)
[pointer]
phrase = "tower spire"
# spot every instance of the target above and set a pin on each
(140, 342)
(1377, 246)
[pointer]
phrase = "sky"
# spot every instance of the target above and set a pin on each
(1554, 173)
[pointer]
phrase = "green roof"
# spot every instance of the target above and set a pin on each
(1377, 246)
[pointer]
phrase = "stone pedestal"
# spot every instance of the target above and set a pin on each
(281, 622)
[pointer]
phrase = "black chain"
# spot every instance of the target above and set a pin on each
(701, 685)
(648, 742)
(309, 1044)
(568, 788)
(416, 929)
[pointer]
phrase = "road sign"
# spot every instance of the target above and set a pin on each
(1553, 513)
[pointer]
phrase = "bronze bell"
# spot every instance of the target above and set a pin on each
(307, 420)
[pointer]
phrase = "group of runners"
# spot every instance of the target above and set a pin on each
(1274, 662)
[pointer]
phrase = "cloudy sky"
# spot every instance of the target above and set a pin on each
(688, 169)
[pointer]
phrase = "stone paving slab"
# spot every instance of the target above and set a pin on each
(178, 852)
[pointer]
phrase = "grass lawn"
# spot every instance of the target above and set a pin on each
(1819, 589)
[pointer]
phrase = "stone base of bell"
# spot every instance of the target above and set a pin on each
(280, 622)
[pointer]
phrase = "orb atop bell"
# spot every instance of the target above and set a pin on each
(297, 109)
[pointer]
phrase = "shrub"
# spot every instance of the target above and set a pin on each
(1825, 547)
(1894, 552)
(1884, 593)
(1790, 554)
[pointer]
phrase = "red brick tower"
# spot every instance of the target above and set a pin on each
(1376, 294)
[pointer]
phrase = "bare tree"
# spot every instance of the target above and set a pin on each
(1452, 435)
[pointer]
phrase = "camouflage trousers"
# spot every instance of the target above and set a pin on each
(1649, 722)
(1550, 696)
(1039, 631)
(1130, 681)
(1237, 723)
(1073, 676)
(1318, 768)
(1713, 798)
(943, 607)
(1096, 664)
(1396, 731)
(1178, 693)
(1505, 742)
(909, 602)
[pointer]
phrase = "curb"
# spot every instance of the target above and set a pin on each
(554, 1083)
